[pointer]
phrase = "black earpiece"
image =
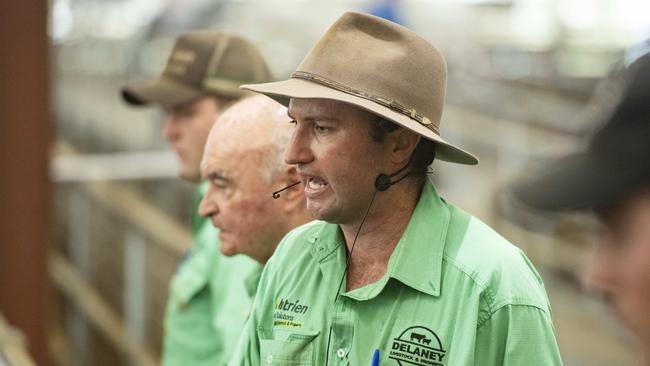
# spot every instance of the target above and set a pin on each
(384, 181)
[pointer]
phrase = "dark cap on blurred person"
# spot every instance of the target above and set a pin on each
(614, 164)
(201, 63)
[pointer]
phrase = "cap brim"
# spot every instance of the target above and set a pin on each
(283, 91)
(577, 182)
(163, 91)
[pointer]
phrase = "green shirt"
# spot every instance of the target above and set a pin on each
(210, 298)
(454, 293)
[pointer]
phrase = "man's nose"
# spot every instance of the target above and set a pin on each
(208, 205)
(298, 151)
(170, 131)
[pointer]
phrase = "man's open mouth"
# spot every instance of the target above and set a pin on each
(316, 183)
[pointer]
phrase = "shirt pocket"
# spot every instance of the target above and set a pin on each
(287, 346)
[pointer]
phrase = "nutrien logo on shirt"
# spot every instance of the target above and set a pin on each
(287, 312)
(417, 346)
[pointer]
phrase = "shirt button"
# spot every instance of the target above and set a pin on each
(321, 249)
(269, 359)
(340, 352)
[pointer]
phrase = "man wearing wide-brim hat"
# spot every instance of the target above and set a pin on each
(390, 271)
(611, 178)
(210, 295)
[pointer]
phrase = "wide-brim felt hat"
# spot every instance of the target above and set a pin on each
(379, 66)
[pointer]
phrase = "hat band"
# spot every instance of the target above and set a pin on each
(397, 107)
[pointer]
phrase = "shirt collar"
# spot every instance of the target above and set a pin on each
(417, 258)
(252, 280)
(197, 220)
(325, 241)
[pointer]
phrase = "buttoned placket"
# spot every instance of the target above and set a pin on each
(327, 251)
(342, 331)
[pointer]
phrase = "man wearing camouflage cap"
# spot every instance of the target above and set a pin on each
(208, 297)
(392, 274)
(611, 177)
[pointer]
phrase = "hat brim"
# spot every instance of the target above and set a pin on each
(163, 91)
(283, 91)
(580, 181)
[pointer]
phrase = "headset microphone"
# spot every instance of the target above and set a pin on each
(276, 194)
(383, 181)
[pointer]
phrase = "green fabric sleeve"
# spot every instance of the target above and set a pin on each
(517, 335)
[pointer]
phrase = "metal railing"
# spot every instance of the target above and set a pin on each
(148, 228)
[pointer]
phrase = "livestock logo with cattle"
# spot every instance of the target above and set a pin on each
(417, 345)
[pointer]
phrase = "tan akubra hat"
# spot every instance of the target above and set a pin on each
(202, 63)
(381, 67)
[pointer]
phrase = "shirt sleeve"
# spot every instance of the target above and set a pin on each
(517, 335)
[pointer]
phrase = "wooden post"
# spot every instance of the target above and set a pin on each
(25, 132)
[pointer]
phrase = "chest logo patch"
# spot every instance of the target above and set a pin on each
(288, 313)
(417, 345)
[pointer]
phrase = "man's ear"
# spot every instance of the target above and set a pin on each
(403, 143)
(293, 197)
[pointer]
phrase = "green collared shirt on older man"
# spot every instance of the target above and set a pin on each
(210, 298)
(454, 293)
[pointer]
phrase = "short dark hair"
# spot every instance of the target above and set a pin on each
(423, 155)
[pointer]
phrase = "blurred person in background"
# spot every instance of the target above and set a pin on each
(611, 178)
(208, 301)
(243, 163)
(390, 272)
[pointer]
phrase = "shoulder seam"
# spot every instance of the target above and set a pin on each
(489, 317)
(488, 295)
(464, 270)
(485, 292)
